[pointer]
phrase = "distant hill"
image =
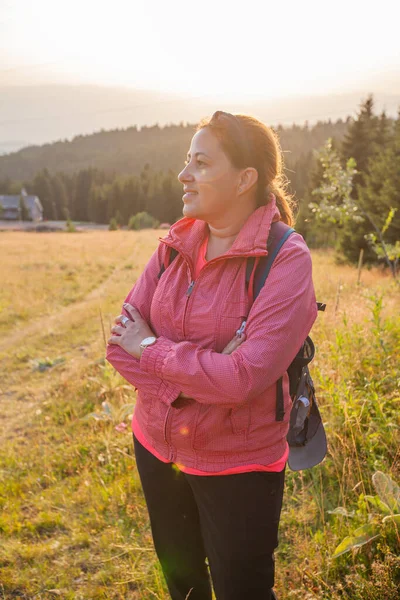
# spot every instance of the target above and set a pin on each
(41, 114)
(126, 151)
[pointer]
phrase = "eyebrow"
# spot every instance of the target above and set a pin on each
(197, 153)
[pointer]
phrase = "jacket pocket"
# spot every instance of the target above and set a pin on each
(218, 429)
(240, 418)
(154, 413)
(229, 321)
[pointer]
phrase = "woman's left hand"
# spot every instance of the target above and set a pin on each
(130, 335)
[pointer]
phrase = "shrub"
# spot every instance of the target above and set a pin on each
(119, 219)
(70, 227)
(142, 220)
(113, 224)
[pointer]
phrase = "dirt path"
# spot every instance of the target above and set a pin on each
(62, 314)
(17, 403)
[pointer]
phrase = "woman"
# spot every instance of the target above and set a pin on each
(210, 454)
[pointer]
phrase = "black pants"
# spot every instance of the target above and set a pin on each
(230, 519)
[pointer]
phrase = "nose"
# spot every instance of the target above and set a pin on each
(184, 175)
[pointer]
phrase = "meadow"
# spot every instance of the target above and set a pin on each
(73, 521)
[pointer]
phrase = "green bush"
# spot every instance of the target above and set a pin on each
(118, 218)
(70, 227)
(113, 224)
(143, 220)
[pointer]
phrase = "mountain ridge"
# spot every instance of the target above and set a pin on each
(37, 115)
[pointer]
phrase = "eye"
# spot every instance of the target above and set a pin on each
(199, 162)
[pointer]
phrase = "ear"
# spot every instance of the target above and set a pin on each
(248, 178)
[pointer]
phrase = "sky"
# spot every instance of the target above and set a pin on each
(217, 48)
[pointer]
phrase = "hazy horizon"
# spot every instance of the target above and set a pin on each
(36, 115)
(146, 63)
(257, 50)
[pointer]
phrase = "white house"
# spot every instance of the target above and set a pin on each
(11, 207)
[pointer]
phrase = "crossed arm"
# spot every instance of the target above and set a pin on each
(278, 323)
(129, 366)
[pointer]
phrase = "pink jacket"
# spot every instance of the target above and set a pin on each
(230, 419)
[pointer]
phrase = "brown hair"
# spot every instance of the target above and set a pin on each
(250, 143)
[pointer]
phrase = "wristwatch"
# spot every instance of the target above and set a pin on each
(147, 342)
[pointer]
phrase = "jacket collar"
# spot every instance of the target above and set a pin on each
(187, 234)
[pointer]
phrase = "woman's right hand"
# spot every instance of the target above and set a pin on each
(229, 348)
(234, 343)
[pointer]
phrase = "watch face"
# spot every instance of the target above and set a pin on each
(147, 341)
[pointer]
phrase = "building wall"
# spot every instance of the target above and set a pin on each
(12, 213)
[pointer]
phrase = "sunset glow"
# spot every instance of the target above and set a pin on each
(208, 48)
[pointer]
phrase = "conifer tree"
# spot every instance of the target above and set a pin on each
(368, 141)
(374, 221)
(98, 203)
(317, 234)
(60, 198)
(131, 191)
(41, 187)
(361, 141)
(118, 218)
(381, 192)
(24, 213)
(84, 181)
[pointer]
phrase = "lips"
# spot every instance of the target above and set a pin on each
(188, 193)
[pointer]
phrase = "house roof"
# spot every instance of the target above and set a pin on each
(13, 201)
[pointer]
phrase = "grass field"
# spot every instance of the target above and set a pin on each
(73, 522)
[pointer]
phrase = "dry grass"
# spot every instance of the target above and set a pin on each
(73, 521)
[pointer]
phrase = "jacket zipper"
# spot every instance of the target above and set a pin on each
(188, 294)
(222, 257)
(189, 291)
(171, 453)
(165, 433)
(191, 286)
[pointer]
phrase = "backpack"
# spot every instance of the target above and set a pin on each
(306, 436)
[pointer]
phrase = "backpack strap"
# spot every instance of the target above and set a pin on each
(249, 269)
(278, 235)
(169, 257)
(274, 243)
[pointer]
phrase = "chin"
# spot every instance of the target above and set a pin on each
(190, 211)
